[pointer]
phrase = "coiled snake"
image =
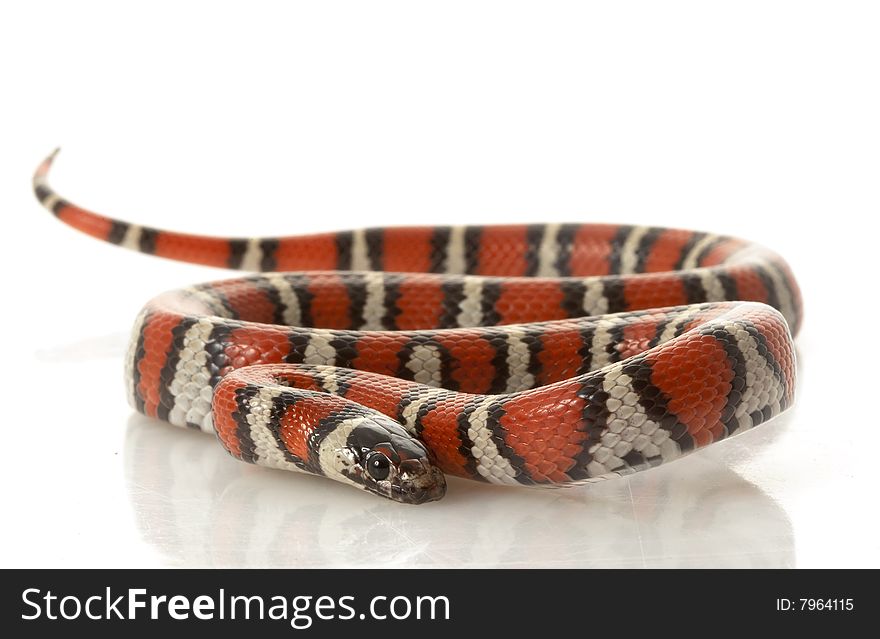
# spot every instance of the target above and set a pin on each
(538, 355)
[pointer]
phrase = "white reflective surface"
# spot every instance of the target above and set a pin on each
(756, 121)
(197, 508)
(110, 487)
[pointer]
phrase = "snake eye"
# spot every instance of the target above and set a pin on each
(378, 466)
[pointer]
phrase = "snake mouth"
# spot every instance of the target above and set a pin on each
(417, 481)
(428, 486)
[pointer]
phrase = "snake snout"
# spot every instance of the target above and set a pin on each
(421, 481)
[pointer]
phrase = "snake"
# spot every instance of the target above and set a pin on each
(541, 355)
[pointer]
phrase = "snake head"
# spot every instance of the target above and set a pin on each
(380, 456)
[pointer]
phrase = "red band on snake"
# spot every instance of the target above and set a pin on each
(535, 355)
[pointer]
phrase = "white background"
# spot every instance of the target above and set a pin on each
(758, 119)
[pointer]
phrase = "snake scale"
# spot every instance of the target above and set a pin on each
(536, 355)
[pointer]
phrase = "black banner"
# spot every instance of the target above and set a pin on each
(435, 602)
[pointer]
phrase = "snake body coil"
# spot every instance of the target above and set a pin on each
(522, 355)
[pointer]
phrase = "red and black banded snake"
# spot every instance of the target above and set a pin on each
(538, 355)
